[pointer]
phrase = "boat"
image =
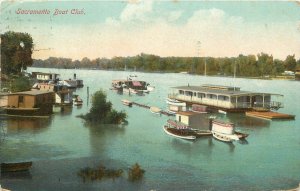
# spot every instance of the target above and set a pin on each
(78, 101)
(150, 88)
(15, 167)
(181, 130)
(155, 110)
(222, 112)
(178, 133)
(175, 102)
(225, 131)
(127, 102)
(199, 108)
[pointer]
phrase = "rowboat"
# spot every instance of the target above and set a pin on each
(178, 133)
(155, 110)
(127, 102)
(78, 101)
(183, 131)
(15, 167)
(175, 102)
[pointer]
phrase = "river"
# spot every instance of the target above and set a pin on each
(63, 144)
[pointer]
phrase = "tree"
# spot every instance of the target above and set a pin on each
(290, 63)
(16, 51)
(102, 111)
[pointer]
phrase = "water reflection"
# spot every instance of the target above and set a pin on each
(101, 135)
(63, 110)
(242, 121)
(16, 175)
(15, 125)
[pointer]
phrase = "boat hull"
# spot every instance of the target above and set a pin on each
(15, 167)
(225, 137)
(177, 135)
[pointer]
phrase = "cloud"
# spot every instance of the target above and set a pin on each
(136, 11)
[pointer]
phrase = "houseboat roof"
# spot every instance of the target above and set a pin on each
(44, 73)
(221, 90)
(187, 113)
(32, 92)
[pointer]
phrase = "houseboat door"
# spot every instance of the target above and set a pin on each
(253, 101)
(21, 101)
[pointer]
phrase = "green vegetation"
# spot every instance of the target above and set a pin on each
(16, 51)
(102, 112)
(135, 172)
(246, 66)
(99, 173)
(19, 84)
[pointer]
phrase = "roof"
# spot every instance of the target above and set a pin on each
(32, 92)
(44, 73)
(187, 113)
(218, 91)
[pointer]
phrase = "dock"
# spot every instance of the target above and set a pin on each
(269, 115)
(148, 107)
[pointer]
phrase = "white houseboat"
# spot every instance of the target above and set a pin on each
(226, 98)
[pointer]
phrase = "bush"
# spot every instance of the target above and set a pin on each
(102, 112)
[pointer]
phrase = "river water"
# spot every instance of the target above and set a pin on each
(63, 144)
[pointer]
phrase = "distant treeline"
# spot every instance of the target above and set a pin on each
(248, 66)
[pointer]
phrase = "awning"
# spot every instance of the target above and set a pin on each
(136, 83)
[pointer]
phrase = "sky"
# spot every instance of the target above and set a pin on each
(164, 28)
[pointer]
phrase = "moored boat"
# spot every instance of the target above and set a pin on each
(183, 131)
(127, 102)
(175, 102)
(155, 110)
(78, 101)
(15, 167)
(225, 131)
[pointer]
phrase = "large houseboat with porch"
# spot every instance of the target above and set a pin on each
(227, 98)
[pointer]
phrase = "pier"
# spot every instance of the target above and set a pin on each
(269, 115)
(148, 107)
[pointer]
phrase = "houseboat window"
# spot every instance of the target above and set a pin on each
(201, 95)
(223, 98)
(179, 118)
(195, 93)
(181, 92)
(21, 99)
(188, 93)
(212, 96)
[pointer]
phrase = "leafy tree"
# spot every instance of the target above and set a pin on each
(290, 63)
(16, 51)
(20, 84)
(102, 112)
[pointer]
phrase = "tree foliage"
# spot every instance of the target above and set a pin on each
(102, 111)
(19, 84)
(16, 51)
(246, 65)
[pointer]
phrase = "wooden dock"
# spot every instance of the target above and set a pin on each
(269, 115)
(148, 107)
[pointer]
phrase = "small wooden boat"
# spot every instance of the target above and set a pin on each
(178, 133)
(150, 88)
(78, 101)
(199, 108)
(175, 102)
(155, 110)
(127, 102)
(15, 167)
(183, 131)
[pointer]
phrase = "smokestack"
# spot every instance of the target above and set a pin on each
(74, 77)
(210, 124)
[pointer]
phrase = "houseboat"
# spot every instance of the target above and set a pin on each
(45, 77)
(175, 105)
(225, 131)
(63, 94)
(226, 98)
(30, 103)
(130, 86)
(178, 130)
